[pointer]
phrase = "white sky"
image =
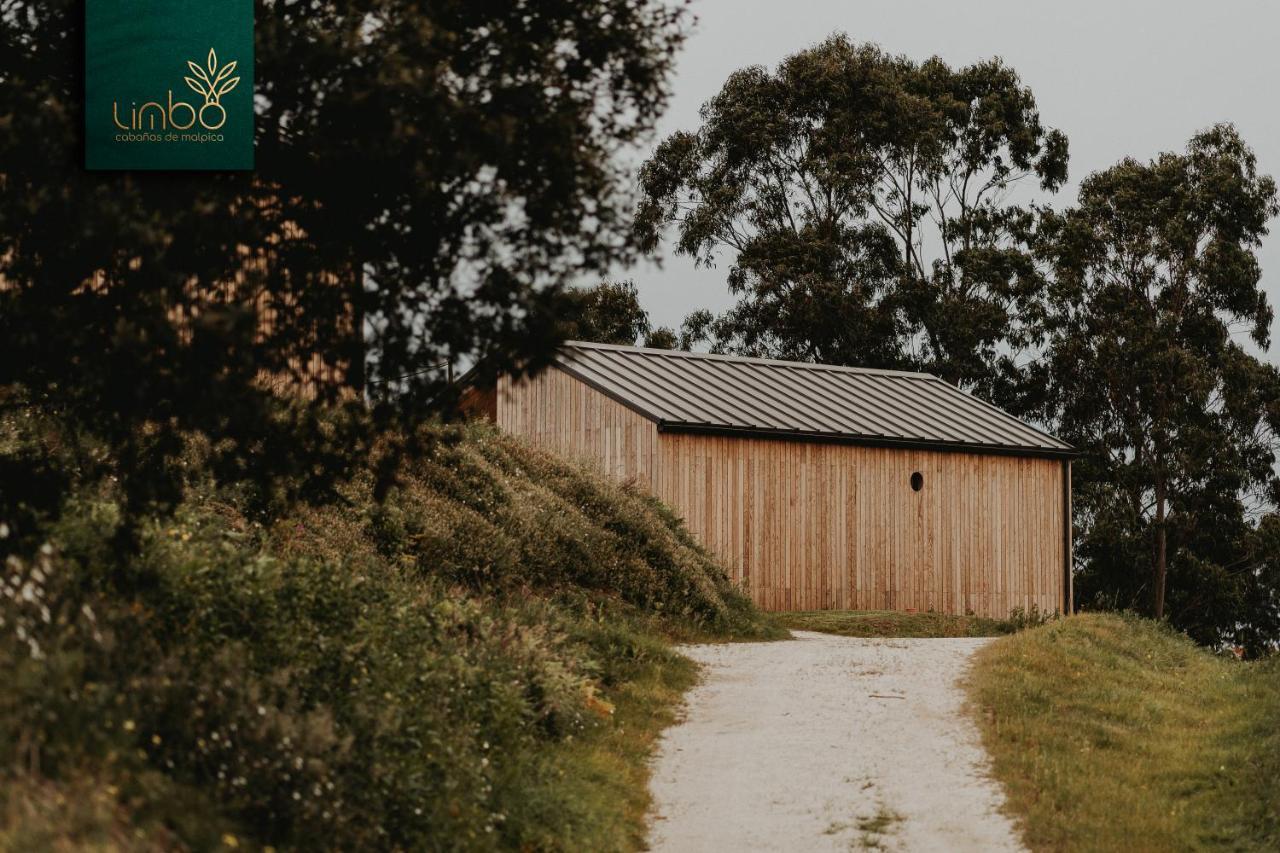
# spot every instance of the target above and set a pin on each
(1126, 77)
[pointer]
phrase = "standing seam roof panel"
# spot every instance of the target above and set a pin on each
(886, 395)
(860, 400)
(759, 402)
(651, 405)
(792, 384)
(991, 419)
(781, 390)
(731, 409)
(864, 418)
(762, 400)
(925, 406)
(705, 391)
(688, 396)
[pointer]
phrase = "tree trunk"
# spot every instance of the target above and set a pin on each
(1157, 608)
(355, 344)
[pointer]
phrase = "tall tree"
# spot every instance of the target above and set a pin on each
(1154, 271)
(436, 170)
(864, 200)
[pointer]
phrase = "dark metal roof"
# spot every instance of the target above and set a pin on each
(699, 392)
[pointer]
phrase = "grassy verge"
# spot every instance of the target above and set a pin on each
(1114, 733)
(891, 623)
(480, 661)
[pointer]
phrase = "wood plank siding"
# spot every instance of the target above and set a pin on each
(811, 526)
(806, 525)
(558, 413)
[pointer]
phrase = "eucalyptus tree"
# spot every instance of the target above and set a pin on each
(610, 313)
(1155, 272)
(864, 204)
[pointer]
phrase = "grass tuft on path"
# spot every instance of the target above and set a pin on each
(893, 623)
(1113, 732)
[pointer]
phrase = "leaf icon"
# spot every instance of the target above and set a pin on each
(224, 71)
(212, 82)
(198, 71)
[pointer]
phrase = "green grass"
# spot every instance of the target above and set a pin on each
(1115, 733)
(610, 779)
(480, 661)
(873, 829)
(892, 623)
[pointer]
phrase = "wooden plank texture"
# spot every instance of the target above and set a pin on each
(557, 412)
(807, 526)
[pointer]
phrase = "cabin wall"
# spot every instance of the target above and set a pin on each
(808, 525)
(558, 413)
(811, 526)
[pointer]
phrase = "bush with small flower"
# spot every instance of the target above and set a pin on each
(479, 661)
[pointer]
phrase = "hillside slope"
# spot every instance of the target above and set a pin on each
(479, 661)
(1115, 733)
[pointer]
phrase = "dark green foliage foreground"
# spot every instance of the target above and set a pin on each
(393, 141)
(481, 661)
(1115, 733)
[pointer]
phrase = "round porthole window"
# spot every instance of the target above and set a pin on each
(917, 481)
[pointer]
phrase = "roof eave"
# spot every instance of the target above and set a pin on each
(870, 440)
(563, 365)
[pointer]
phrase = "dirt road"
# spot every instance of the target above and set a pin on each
(827, 743)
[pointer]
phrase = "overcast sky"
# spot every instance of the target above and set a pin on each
(1125, 77)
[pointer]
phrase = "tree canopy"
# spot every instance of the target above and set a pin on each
(434, 175)
(1153, 271)
(611, 313)
(864, 201)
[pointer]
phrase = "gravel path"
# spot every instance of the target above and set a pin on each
(827, 743)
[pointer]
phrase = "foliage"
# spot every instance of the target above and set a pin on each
(1112, 732)
(1022, 618)
(1153, 271)
(864, 200)
(433, 174)
(479, 661)
(610, 313)
(490, 512)
(895, 623)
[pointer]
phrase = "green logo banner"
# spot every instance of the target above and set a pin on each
(168, 84)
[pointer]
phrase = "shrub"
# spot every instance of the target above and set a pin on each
(428, 672)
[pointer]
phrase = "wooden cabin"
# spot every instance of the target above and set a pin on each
(819, 487)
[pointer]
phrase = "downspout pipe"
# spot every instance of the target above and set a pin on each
(1068, 582)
